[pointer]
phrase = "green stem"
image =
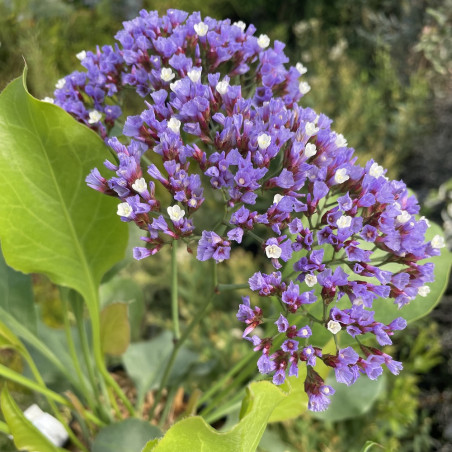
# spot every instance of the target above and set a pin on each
(72, 351)
(174, 292)
(224, 287)
(183, 338)
(93, 308)
(10, 374)
(104, 412)
(234, 403)
(213, 389)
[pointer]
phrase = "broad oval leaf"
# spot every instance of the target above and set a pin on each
(194, 434)
(351, 401)
(50, 221)
(25, 435)
(129, 435)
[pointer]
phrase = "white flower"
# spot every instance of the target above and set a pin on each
(376, 170)
(175, 213)
(341, 176)
(240, 24)
(201, 28)
(175, 85)
(60, 83)
(81, 55)
(334, 326)
(277, 198)
(264, 141)
(194, 74)
(358, 301)
(49, 100)
(94, 116)
(304, 87)
(222, 87)
(310, 150)
(340, 141)
(404, 217)
(273, 251)
(300, 68)
(424, 291)
(310, 129)
(124, 210)
(263, 41)
(140, 185)
(167, 74)
(438, 242)
(310, 280)
(174, 124)
(304, 332)
(344, 222)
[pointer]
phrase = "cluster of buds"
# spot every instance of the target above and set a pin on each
(221, 115)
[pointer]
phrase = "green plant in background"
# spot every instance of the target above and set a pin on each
(407, 103)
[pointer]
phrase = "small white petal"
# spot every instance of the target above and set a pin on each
(201, 28)
(194, 74)
(140, 185)
(310, 129)
(124, 210)
(174, 124)
(423, 291)
(263, 41)
(240, 24)
(94, 117)
(310, 150)
(167, 74)
(404, 217)
(426, 220)
(310, 280)
(304, 87)
(60, 83)
(81, 55)
(273, 251)
(341, 176)
(277, 198)
(376, 170)
(334, 326)
(301, 68)
(438, 242)
(49, 100)
(340, 141)
(175, 85)
(175, 213)
(264, 141)
(222, 87)
(344, 222)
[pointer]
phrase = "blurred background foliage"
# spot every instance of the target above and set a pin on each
(382, 70)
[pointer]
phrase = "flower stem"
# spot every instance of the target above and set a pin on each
(174, 292)
(183, 338)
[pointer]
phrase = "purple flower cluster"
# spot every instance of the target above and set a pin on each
(221, 116)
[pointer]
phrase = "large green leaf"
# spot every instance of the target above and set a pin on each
(50, 221)
(25, 435)
(351, 401)
(194, 434)
(129, 435)
(16, 295)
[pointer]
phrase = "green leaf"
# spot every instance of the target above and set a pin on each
(114, 329)
(127, 291)
(16, 295)
(129, 435)
(51, 222)
(25, 435)
(351, 401)
(193, 434)
(145, 362)
(369, 445)
(386, 310)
